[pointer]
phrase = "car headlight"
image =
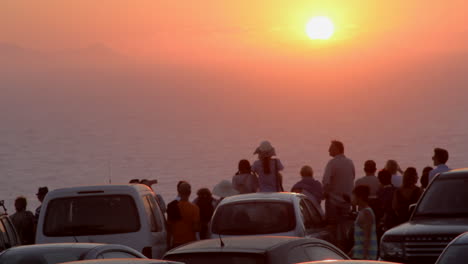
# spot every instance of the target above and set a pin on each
(391, 250)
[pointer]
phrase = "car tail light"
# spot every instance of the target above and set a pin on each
(148, 252)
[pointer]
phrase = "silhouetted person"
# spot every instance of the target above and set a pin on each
(338, 184)
(395, 170)
(440, 157)
(308, 185)
(23, 221)
(406, 195)
(268, 168)
(206, 203)
(385, 213)
(425, 177)
(41, 193)
(183, 230)
(365, 236)
(245, 181)
(370, 179)
(157, 196)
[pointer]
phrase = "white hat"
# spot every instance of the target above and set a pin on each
(265, 149)
(224, 189)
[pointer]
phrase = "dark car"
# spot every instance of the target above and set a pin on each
(256, 250)
(63, 252)
(8, 235)
(456, 252)
(122, 261)
(440, 215)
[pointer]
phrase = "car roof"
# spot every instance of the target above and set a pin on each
(457, 173)
(99, 190)
(242, 244)
(277, 196)
(121, 261)
(347, 262)
(57, 246)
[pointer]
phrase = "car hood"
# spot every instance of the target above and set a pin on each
(422, 226)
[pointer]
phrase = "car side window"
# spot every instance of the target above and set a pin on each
(158, 214)
(316, 253)
(315, 215)
(150, 214)
(307, 218)
(116, 254)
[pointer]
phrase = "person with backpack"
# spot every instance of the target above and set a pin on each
(268, 169)
(245, 181)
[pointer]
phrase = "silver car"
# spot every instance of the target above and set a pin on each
(63, 252)
(277, 214)
(255, 250)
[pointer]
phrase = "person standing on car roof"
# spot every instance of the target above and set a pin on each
(268, 169)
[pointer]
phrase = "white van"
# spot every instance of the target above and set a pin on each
(115, 214)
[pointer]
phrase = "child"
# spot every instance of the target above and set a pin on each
(365, 237)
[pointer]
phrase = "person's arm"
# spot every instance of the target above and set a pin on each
(365, 222)
(327, 175)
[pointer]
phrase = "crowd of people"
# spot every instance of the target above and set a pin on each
(380, 199)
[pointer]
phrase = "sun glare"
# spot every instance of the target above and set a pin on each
(320, 27)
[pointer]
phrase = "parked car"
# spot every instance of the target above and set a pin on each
(278, 214)
(8, 235)
(255, 249)
(61, 252)
(348, 262)
(123, 261)
(440, 215)
(456, 251)
(116, 214)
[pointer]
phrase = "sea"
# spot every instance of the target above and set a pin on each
(63, 131)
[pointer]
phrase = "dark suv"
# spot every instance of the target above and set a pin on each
(440, 215)
(8, 236)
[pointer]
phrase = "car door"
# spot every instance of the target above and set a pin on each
(313, 222)
(158, 227)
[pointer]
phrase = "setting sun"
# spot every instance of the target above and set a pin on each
(320, 28)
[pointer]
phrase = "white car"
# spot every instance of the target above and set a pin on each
(116, 214)
(274, 214)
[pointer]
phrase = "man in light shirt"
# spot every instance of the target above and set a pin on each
(370, 179)
(338, 183)
(440, 157)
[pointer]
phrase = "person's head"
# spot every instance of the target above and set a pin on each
(441, 156)
(244, 166)
(392, 166)
(265, 150)
(134, 181)
(41, 193)
(336, 148)
(20, 204)
(385, 177)
(361, 195)
(204, 193)
(425, 177)
(410, 177)
(370, 167)
(306, 171)
(184, 190)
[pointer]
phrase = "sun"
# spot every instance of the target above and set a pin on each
(320, 27)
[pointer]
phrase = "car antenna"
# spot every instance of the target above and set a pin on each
(221, 241)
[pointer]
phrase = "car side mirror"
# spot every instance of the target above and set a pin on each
(411, 208)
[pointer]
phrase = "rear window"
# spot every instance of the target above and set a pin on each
(251, 218)
(445, 197)
(216, 258)
(91, 215)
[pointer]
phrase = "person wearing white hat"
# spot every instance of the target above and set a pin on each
(224, 189)
(268, 168)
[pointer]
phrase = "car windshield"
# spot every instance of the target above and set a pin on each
(216, 258)
(40, 255)
(91, 215)
(250, 218)
(454, 254)
(445, 197)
